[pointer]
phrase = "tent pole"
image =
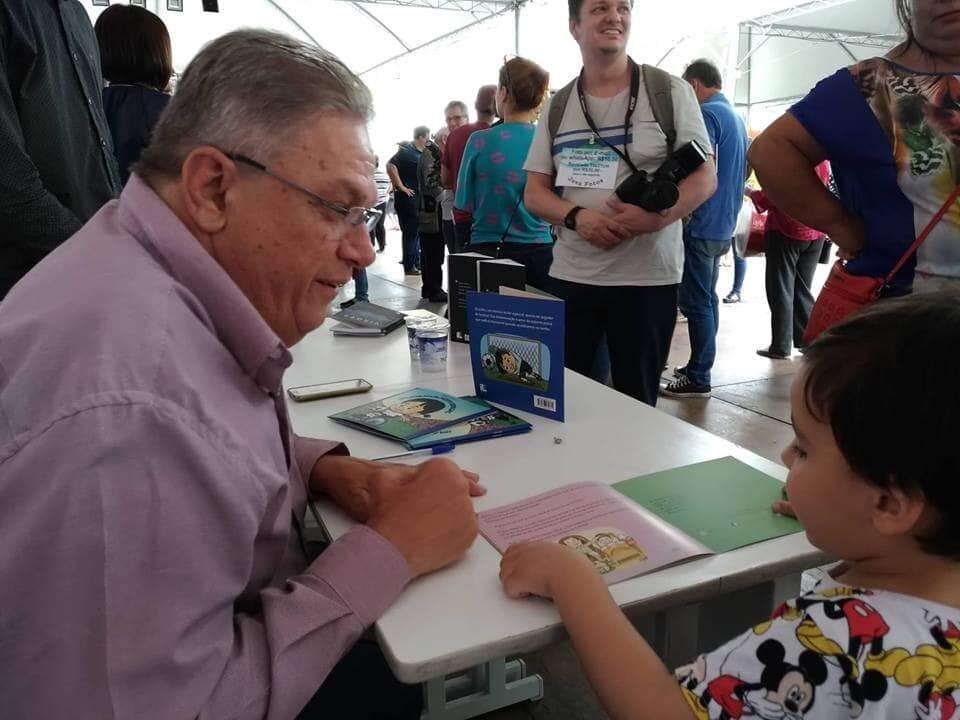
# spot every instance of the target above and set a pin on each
(516, 28)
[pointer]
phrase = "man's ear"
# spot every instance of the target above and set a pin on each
(206, 176)
(574, 26)
(897, 512)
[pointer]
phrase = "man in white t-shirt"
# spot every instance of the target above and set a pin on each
(617, 267)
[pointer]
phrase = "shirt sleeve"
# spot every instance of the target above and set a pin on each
(466, 187)
(143, 579)
(688, 117)
(540, 156)
(834, 113)
(30, 214)
(767, 672)
(306, 452)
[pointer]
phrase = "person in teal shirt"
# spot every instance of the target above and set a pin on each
(492, 180)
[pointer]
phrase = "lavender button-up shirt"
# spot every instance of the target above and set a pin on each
(148, 482)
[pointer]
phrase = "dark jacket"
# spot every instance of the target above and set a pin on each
(132, 111)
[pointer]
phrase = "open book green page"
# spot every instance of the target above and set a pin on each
(723, 503)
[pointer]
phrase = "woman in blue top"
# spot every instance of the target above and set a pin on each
(137, 63)
(890, 127)
(491, 181)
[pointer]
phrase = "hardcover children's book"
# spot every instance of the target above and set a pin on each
(411, 414)
(649, 522)
(516, 350)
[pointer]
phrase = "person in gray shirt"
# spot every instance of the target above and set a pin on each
(57, 166)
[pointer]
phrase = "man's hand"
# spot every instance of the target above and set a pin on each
(601, 230)
(540, 568)
(850, 237)
(429, 518)
(354, 484)
(637, 220)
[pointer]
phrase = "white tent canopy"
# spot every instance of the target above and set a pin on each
(416, 55)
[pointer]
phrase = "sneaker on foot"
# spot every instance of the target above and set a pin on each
(732, 297)
(684, 387)
(680, 371)
(347, 303)
(411, 271)
(770, 353)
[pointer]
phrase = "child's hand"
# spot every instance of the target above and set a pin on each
(539, 568)
(783, 507)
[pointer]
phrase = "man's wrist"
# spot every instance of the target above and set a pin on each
(329, 467)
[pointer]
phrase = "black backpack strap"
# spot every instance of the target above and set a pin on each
(659, 86)
(558, 106)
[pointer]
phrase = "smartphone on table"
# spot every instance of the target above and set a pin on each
(304, 393)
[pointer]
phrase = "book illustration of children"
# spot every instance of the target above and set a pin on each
(617, 548)
(582, 545)
(514, 367)
(413, 411)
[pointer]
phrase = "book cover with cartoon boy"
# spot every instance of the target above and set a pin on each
(495, 423)
(411, 414)
(516, 350)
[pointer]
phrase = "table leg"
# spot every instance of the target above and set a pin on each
(481, 689)
(680, 634)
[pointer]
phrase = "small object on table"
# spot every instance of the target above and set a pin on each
(557, 441)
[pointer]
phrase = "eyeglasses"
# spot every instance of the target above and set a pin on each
(368, 217)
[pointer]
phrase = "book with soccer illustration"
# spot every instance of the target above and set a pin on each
(411, 414)
(650, 522)
(516, 350)
(495, 423)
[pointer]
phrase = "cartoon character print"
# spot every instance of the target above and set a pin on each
(865, 627)
(582, 544)
(784, 691)
(414, 411)
(934, 669)
(512, 365)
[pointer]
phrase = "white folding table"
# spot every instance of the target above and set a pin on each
(458, 620)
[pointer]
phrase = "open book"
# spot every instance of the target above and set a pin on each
(648, 522)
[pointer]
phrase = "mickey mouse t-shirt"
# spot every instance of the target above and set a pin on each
(836, 652)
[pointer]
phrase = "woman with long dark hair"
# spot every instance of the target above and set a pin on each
(890, 127)
(492, 180)
(137, 63)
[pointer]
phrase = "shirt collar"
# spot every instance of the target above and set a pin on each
(233, 318)
(716, 97)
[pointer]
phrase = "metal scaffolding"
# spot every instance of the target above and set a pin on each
(480, 11)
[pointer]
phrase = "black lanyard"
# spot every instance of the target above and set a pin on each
(631, 106)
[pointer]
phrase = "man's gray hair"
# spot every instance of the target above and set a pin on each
(249, 92)
(458, 104)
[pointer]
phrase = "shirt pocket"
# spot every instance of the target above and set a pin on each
(648, 148)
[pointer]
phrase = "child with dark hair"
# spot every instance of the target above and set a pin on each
(873, 478)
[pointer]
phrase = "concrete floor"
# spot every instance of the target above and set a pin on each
(750, 407)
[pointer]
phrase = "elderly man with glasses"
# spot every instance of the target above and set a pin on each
(150, 485)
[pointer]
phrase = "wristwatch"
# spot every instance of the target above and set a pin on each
(570, 221)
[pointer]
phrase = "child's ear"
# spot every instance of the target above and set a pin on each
(897, 512)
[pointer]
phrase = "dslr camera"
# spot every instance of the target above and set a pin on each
(659, 191)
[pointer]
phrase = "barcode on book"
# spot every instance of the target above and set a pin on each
(548, 404)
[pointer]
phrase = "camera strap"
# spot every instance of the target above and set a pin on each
(631, 106)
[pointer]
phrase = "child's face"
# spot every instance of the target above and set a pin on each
(833, 503)
(409, 407)
(510, 364)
